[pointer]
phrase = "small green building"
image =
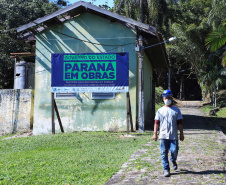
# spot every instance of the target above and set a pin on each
(85, 28)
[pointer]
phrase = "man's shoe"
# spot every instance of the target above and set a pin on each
(174, 165)
(166, 173)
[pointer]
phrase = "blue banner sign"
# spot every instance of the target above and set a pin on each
(90, 72)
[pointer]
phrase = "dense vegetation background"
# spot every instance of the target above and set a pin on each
(200, 26)
(12, 15)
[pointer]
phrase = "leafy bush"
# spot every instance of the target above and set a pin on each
(158, 98)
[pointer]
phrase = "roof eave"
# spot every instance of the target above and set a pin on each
(156, 54)
(86, 7)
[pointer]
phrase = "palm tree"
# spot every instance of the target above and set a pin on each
(216, 40)
(212, 76)
(154, 12)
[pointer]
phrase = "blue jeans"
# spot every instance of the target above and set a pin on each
(165, 146)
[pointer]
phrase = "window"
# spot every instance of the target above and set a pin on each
(66, 96)
(102, 96)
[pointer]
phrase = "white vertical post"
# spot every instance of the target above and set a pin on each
(141, 87)
(14, 85)
(169, 74)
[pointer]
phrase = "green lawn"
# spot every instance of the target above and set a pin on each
(221, 100)
(221, 113)
(72, 158)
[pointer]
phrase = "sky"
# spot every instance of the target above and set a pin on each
(97, 2)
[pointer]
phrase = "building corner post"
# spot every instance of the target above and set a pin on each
(141, 86)
(14, 86)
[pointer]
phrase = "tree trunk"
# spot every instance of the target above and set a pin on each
(141, 11)
(215, 96)
(181, 87)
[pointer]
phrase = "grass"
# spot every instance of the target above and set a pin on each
(142, 162)
(221, 113)
(5, 136)
(71, 158)
(221, 100)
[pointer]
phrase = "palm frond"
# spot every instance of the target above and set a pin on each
(223, 71)
(217, 38)
(224, 59)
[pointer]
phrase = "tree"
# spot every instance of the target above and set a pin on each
(185, 19)
(190, 26)
(216, 41)
(154, 12)
(191, 21)
(12, 15)
(211, 77)
(217, 13)
(61, 3)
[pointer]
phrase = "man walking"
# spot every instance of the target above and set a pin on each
(168, 119)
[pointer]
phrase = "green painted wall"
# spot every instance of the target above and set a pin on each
(83, 113)
(148, 77)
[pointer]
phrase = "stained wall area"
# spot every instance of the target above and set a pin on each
(16, 110)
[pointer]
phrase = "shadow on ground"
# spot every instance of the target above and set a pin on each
(207, 172)
(204, 123)
(197, 122)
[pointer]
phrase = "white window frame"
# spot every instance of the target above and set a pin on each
(97, 96)
(65, 96)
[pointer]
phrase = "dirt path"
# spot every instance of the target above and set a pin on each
(201, 160)
(23, 134)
